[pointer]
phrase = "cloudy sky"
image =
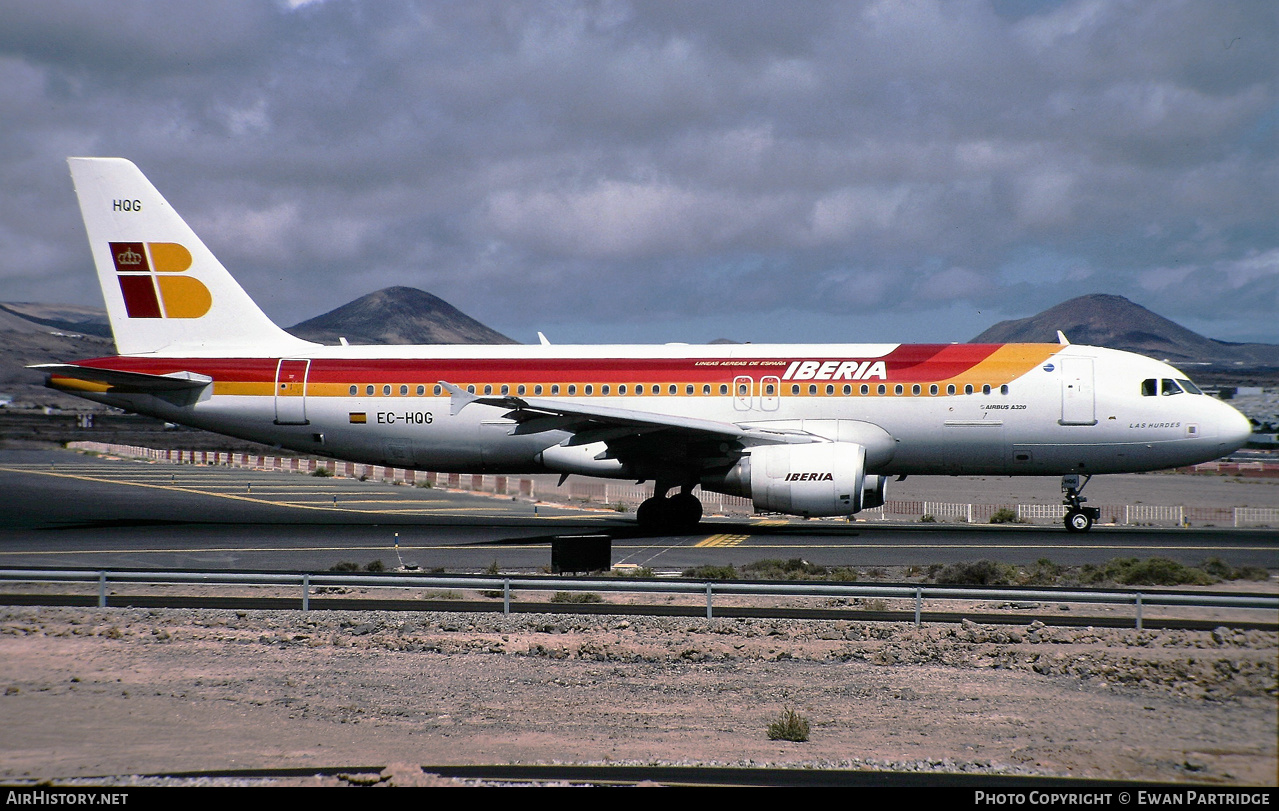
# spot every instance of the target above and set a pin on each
(670, 171)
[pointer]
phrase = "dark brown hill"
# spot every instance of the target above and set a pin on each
(397, 315)
(1116, 322)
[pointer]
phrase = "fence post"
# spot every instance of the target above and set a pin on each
(306, 592)
(102, 589)
(709, 613)
(1139, 611)
(919, 601)
(506, 596)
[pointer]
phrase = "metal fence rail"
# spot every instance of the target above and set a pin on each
(306, 582)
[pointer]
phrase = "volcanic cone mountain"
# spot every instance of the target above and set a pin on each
(398, 315)
(1116, 322)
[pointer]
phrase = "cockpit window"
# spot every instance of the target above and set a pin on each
(1169, 387)
(1149, 387)
(1190, 387)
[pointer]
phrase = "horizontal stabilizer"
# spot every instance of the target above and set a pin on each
(129, 381)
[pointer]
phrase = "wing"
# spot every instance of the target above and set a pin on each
(643, 439)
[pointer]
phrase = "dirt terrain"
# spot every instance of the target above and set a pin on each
(91, 692)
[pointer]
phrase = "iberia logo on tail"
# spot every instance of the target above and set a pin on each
(150, 289)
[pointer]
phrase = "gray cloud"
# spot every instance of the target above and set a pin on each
(664, 169)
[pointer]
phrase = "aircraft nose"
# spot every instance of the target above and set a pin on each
(1233, 429)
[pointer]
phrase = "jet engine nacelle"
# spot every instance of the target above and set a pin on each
(874, 492)
(822, 478)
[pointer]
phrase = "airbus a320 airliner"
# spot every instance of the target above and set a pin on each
(813, 430)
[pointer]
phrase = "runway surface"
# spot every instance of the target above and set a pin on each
(59, 509)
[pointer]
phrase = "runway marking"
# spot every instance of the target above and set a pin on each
(722, 540)
(233, 497)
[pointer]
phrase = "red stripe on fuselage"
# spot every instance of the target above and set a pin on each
(906, 363)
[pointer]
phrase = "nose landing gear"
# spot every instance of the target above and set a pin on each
(1078, 517)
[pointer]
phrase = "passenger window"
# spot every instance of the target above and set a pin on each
(898, 389)
(421, 390)
(1149, 387)
(386, 390)
(723, 388)
(812, 388)
(438, 390)
(621, 389)
(673, 389)
(794, 388)
(706, 388)
(537, 389)
(847, 389)
(968, 389)
(355, 390)
(883, 389)
(689, 389)
(520, 389)
(1170, 387)
(915, 389)
(830, 389)
(555, 388)
(368, 390)
(985, 389)
(1003, 389)
(604, 389)
(865, 389)
(572, 389)
(932, 389)
(404, 390)
(488, 389)
(589, 389)
(506, 389)
(950, 389)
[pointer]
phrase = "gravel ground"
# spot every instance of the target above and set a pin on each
(134, 691)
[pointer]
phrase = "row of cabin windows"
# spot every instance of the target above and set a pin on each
(1166, 387)
(743, 390)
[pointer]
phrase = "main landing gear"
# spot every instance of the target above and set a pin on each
(681, 511)
(1078, 517)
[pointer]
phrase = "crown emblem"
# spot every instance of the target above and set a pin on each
(129, 257)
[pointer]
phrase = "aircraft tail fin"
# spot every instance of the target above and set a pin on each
(165, 292)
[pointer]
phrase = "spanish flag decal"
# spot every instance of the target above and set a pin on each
(358, 417)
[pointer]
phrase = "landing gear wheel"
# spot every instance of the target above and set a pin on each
(649, 514)
(679, 512)
(1078, 521)
(686, 510)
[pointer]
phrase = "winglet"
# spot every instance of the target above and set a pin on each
(542, 339)
(1061, 338)
(458, 397)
